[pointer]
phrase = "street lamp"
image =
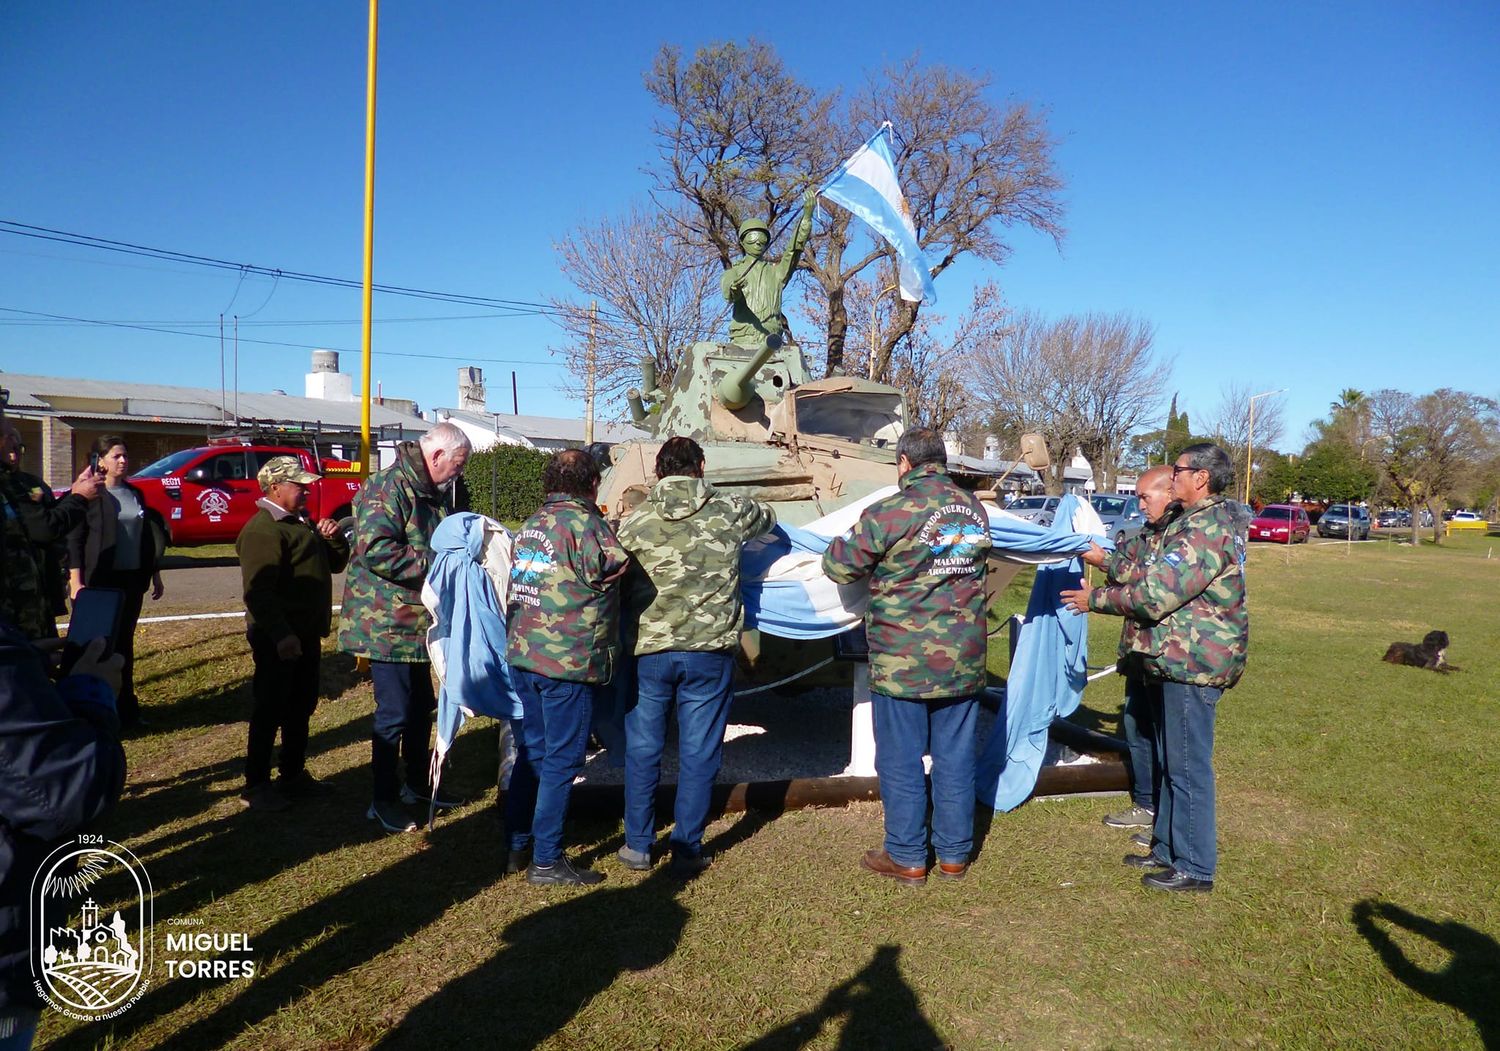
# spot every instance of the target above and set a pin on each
(874, 326)
(1250, 437)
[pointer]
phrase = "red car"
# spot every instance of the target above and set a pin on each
(206, 495)
(1281, 524)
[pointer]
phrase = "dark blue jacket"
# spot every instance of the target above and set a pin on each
(61, 766)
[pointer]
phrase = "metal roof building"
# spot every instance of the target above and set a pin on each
(59, 417)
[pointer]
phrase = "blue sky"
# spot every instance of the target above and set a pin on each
(1301, 196)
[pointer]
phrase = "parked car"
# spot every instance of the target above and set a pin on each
(1345, 521)
(205, 495)
(1038, 509)
(1466, 520)
(1281, 524)
(1389, 519)
(1120, 513)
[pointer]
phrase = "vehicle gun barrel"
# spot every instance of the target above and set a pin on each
(734, 390)
(637, 407)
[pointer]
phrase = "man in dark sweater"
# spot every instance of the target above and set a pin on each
(287, 565)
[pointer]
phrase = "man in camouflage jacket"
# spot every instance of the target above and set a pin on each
(383, 619)
(684, 589)
(562, 638)
(1193, 598)
(1142, 713)
(924, 551)
(32, 526)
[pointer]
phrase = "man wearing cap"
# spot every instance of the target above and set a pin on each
(753, 286)
(287, 565)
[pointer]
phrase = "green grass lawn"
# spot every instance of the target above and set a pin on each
(1356, 903)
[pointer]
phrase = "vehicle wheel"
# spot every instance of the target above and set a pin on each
(346, 526)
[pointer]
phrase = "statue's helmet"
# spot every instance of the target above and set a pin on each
(754, 224)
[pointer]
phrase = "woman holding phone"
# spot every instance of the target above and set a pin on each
(117, 546)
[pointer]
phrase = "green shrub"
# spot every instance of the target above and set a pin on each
(506, 482)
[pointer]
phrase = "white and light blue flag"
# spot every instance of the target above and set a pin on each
(866, 184)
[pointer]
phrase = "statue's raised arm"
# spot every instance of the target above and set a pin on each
(753, 285)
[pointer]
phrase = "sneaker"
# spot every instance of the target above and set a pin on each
(303, 785)
(391, 817)
(517, 861)
(411, 796)
(264, 796)
(561, 873)
(687, 866)
(1142, 839)
(635, 860)
(1135, 817)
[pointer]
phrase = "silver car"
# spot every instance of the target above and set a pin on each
(1038, 509)
(1121, 515)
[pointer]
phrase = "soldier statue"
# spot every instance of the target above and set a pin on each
(753, 285)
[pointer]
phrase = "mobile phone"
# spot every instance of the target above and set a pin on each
(96, 615)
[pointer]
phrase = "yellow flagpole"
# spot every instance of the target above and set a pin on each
(364, 415)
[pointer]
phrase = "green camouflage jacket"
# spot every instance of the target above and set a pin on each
(31, 525)
(684, 583)
(563, 610)
(1128, 564)
(395, 513)
(287, 572)
(1192, 598)
(924, 551)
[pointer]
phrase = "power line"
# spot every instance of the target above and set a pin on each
(45, 233)
(270, 342)
(42, 323)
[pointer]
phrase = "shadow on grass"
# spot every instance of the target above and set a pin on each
(1468, 982)
(555, 961)
(880, 1011)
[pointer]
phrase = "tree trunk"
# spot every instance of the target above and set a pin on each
(1436, 507)
(1416, 524)
(903, 320)
(838, 331)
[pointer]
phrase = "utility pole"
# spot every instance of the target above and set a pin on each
(515, 402)
(588, 396)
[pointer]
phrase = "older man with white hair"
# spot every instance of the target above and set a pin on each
(383, 618)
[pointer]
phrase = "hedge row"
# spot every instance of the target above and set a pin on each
(505, 482)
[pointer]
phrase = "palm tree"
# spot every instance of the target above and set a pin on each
(1349, 399)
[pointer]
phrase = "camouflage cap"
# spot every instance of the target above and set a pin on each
(283, 469)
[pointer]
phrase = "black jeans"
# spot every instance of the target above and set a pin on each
(404, 705)
(133, 582)
(286, 692)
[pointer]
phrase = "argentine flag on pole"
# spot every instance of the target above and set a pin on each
(866, 185)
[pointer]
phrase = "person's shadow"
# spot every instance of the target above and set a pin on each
(879, 1008)
(555, 961)
(1470, 981)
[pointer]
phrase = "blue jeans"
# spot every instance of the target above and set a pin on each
(404, 703)
(700, 684)
(1186, 832)
(1139, 723)
(549, 754)
(904, 732)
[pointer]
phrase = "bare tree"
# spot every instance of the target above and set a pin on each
(1431, 446)
(739, 133)
(1124, 388)
(1231, 425)
(656, 298)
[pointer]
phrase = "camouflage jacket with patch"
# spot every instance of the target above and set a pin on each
(31, 525)
(563, 608)
(1127, 565)
(1192, 598)
(924, 551)
(684, 582)
(395, 513)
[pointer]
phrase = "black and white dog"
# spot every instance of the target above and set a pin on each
(1430, 653)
